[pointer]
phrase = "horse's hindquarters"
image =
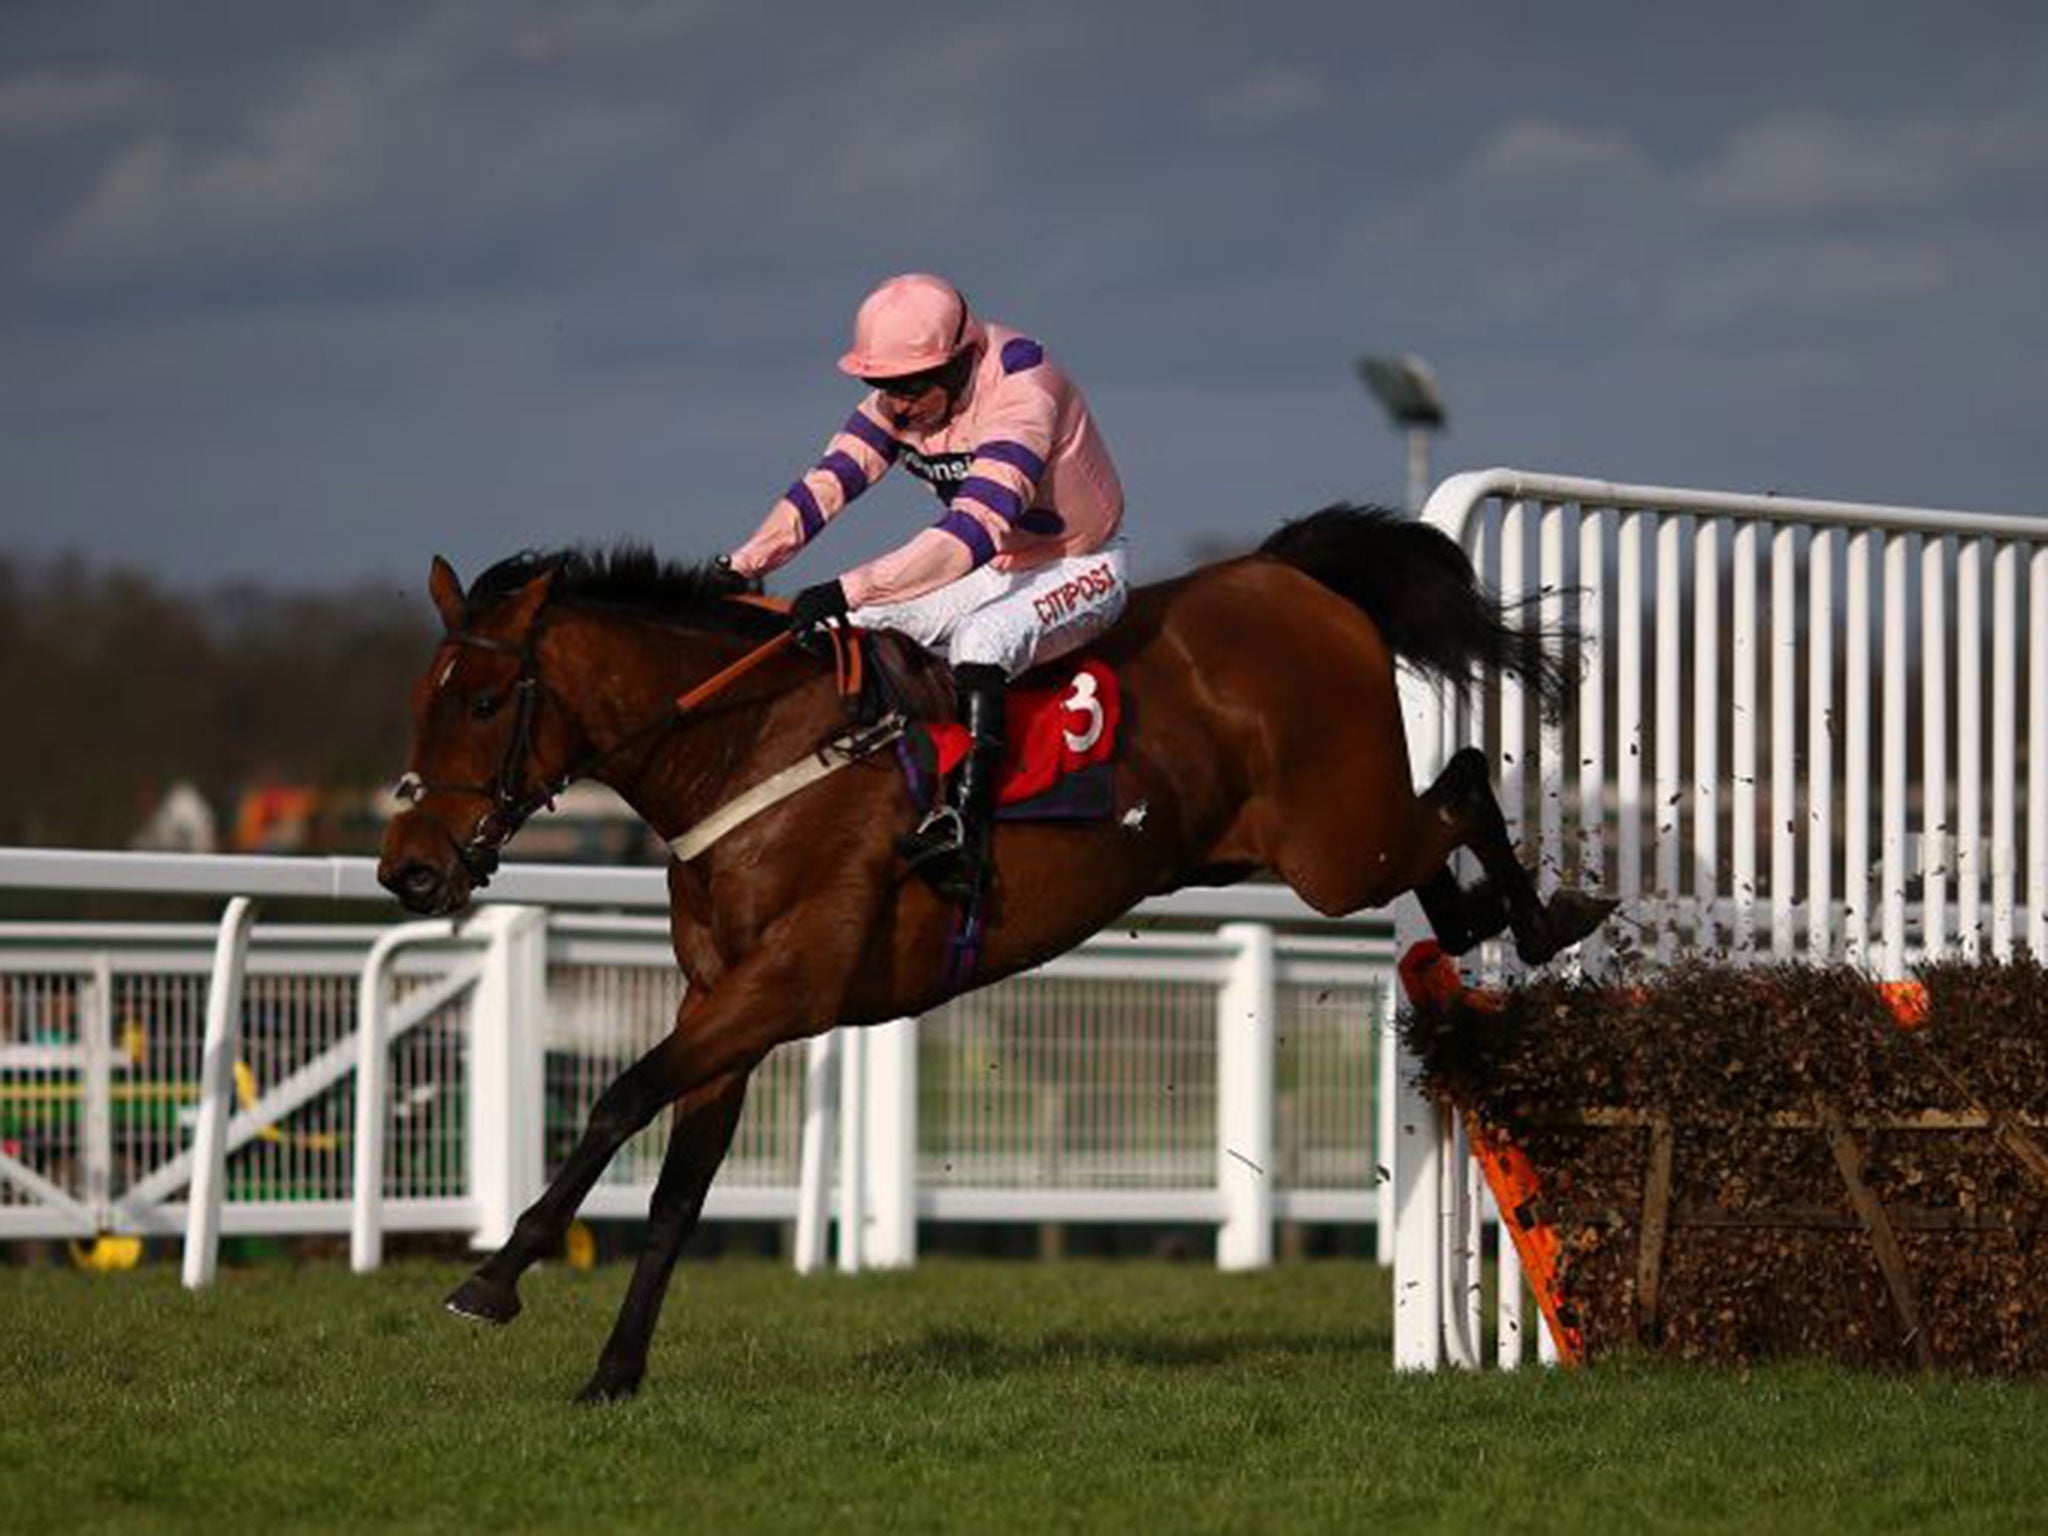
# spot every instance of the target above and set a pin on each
(1293, 692)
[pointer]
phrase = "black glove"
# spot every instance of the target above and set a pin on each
(816, 606)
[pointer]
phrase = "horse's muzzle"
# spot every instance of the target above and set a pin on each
(418, 887)
(427, 879)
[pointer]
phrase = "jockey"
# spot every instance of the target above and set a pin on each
(1025, 563)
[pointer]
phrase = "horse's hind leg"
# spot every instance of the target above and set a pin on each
(703, 1131)
(1542, 929)
(1462, 917)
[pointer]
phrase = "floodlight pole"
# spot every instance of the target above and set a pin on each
(1418, 468)
(1406, 389)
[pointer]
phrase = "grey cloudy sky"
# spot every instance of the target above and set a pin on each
(306, 293)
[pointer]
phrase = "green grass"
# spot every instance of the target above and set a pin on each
(961, 1396)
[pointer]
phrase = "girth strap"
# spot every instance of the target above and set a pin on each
(841, 751)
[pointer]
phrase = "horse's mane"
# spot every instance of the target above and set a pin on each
(629, 579)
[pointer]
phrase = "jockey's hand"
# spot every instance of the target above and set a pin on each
(816, 606)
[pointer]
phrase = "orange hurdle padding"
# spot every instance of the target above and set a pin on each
(1512, 1178)
(1907, 1001)
(1432, 980)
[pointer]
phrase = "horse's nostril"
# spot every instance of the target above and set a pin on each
(419, 883)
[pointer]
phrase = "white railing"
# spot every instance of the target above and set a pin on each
(1212, 1060)
(1754, 764)
(217, 1057)
(375, 1027)
(117, 1101)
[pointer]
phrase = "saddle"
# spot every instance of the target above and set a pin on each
(1062, 733)
(896, 675)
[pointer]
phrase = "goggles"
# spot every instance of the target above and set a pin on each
(907, 386)
(951, 376)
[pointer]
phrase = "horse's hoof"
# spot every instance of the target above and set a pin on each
(1575, 916)
(1568, 917)
(607, 1387)
(484, 1301)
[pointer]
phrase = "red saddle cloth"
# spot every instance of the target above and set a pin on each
(1058, 748)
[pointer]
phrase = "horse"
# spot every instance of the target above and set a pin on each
(1261, 732)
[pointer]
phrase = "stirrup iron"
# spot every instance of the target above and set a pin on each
(942, 832)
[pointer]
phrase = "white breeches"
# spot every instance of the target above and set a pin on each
(1013, 619)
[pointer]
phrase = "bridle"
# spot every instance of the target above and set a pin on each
(509, 808)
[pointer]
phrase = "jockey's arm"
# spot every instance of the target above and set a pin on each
(985, 516)
(858, 455)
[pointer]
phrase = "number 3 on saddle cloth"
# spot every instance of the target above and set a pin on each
(1059, 757)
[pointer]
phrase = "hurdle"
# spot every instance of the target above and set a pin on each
(1794, 832)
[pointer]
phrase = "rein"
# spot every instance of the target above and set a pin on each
(719, 681)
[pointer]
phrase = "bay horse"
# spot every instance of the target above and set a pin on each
(1262, 731)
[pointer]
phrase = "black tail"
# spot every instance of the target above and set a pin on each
(1418, 587)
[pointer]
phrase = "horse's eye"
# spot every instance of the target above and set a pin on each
(485, 705)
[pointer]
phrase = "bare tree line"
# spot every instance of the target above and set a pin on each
(115, 684)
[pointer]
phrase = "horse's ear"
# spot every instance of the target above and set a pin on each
(522, 605)
(445, 587)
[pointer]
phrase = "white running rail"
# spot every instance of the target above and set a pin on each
(1209, 1060)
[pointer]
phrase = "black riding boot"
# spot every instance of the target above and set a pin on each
(950, 849)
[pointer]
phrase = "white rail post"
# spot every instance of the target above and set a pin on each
(1416, 1154)
(814, 1174)
(216, 1093)
(506, 1107)
(853, 1148)
(1386, 1070)
(1784, 745)
(1706, 731)
(1667, 775)
(1936, 863)
(1245, 1029)
(1820, 746)
(1742, 649)
(96, 1039)
(1892, 855)
(1462, 1315)
(1592, 748)
(2004, 749)
(2037, 752)
(889, 1238)
(1970, 746)
(1510, 1316)
(2003, 744)
(1856, 774)
(366, 1197)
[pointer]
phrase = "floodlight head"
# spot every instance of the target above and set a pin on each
(1406, 388)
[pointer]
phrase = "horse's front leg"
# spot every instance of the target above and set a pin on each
(696, 1146)
(636, 1096)
(780, 993)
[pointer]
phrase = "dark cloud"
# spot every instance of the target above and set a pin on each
(312, 292)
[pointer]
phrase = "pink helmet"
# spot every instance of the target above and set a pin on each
(908, 325)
